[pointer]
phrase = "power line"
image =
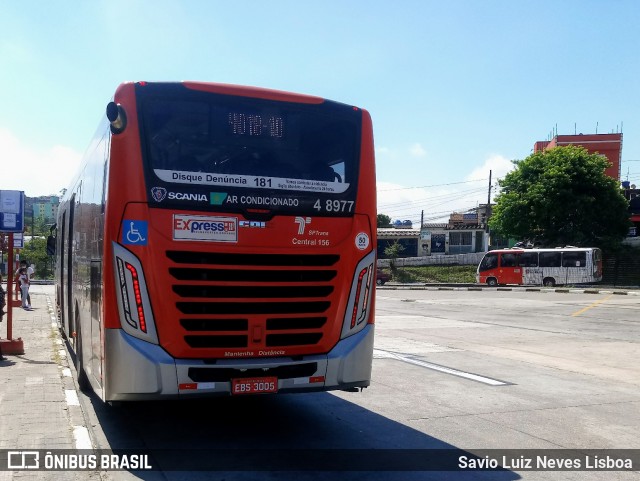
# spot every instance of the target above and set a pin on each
(407, 209)
(391, 209)
(433, 185)
(436, 198)
(433, 215)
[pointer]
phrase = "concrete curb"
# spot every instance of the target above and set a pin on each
(621, 291)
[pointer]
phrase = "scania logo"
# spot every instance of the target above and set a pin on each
(158, 193)
(187, 196)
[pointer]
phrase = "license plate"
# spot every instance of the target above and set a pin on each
(254, 386)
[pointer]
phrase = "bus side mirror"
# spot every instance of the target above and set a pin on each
(117, 117)
(51, 246)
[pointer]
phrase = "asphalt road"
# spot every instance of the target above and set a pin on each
(469, 370)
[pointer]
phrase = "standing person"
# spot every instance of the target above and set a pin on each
(24, 288)
(29, 271)
(3, 301)
(2, 304)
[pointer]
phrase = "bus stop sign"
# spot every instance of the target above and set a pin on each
(11, 211)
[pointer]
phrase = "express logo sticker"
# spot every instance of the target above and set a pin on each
(205, 228)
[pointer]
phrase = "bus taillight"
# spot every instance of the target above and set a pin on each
(137, 296)
(136, 315)
(359, 305)
(355, 317)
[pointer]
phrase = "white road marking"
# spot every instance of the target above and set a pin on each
(72, 397)
(81, 435)
(380, 354)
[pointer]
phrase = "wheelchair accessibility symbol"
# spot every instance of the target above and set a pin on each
(134, 232)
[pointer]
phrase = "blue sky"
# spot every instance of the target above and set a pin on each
(454, 88)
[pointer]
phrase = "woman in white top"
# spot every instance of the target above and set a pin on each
(24, 288)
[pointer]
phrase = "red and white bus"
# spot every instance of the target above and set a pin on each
(220, 240)
(548, 267)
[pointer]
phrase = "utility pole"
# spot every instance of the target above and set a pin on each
(420, 235)
(488, 214)
(488, 206)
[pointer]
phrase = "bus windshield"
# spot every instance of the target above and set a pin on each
(221, 141)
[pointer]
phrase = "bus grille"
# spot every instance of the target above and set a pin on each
(240, 301)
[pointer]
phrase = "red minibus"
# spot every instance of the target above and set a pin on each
(548, 267)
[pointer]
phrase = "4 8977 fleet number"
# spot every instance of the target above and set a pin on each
(334, 205)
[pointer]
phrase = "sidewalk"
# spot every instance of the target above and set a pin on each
(38, 401)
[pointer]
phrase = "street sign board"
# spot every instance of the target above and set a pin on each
(11, 211)
(18, 241)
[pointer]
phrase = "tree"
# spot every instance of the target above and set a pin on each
(559, 197)
(393, 251)
(39, 226)
(383, 220)
(35, 252)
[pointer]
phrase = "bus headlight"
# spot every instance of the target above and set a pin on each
(136, 316)
(359, 304)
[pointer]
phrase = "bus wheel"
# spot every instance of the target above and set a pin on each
(492, 282)
(549, 282)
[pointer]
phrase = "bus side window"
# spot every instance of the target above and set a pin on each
(574, 259)
(528, 259)
(550, 259)
(490, 261)
(509, 260)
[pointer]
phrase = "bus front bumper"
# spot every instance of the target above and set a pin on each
(137, 370)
